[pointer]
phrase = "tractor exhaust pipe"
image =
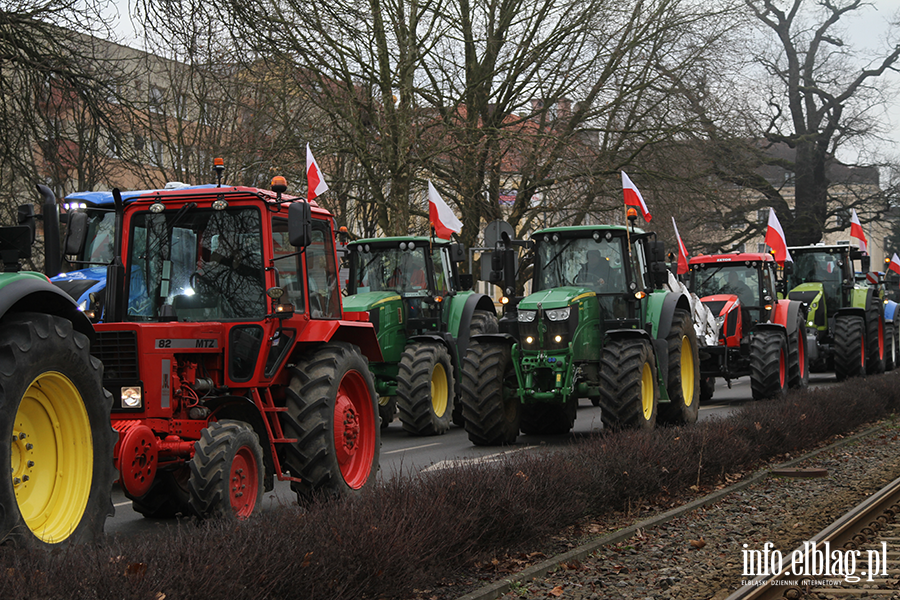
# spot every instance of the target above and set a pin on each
(52, 247)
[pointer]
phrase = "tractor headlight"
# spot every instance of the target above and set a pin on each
(720, 320)
(527, 316)
(529, 340)
(131, 397)
(558, 314)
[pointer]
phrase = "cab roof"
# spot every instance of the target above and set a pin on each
(389, 241)
(734, 257)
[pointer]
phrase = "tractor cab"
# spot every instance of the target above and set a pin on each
(418, 272)
(739, 289)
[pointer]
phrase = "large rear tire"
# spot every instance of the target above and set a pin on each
(629, 392)
(875, 342)
(768, 365)
(54, 409)
(226, 471)
(683, 378)
(491, 411)
(707, 388)
(426, 387)
(798, 359)
(331, 412)
(849, 347)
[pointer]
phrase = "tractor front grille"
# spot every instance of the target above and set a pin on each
(119, 353)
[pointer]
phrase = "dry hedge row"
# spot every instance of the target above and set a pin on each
(416, 531)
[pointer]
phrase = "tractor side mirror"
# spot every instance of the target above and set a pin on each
(457, 252)
(300, 224)
(788, 268)
(25, 216)
(865, 262)
(466, 281)
(76, 231)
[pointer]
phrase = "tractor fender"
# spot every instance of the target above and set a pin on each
(773, 327)
(503, 338)
(660, 345)
(786, 312)
(460, 318)
(36, 294)
(358, 333)
(890, 311)
(441, 338)
(660, 314)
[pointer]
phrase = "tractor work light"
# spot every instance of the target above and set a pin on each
(557, 339)
(220, 205)
(529, 340)
(157, 207)
(131, 397)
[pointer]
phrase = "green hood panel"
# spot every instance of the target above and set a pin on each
(367, 300)
(560, 297)
(812, 286)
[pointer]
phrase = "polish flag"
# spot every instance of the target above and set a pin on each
(683, 256)
(856, 231)
(633, 197)
(314, 178)
(895, 264)
(441, 216)
(776, 241)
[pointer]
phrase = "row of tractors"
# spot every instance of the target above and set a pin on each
(208, 326)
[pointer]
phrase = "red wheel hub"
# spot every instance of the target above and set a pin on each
(346, 428)
(138, 459)
(243, 482)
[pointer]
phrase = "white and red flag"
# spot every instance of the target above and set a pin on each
(895, 264)
(776, 241)
(683, 257)
(633, 197)
(856, 231)
(314, 178)
(441, 216)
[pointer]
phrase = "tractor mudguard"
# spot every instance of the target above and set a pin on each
(352, 332)
(441, 338)
(661, 309)
(786, 312)
(773, 327)
(32, 292)
(496, 337)
(462, 307)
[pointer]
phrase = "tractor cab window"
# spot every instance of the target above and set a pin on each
(196, 265)
(321, 274)
(820, 267)
(392, 269)
(440, 258)
(581, 262)
(100, 236)
(287, 264)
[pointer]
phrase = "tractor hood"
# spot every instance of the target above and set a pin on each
(560, 297)
(79, 284)
(368, 300)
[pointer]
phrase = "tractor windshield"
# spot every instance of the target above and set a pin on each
(196, 265)
(732, 279)
(822, 267)
(581, 262)
(401, 271)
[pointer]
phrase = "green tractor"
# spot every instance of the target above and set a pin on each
(55, 412)
(425, 314)
(847, 316)
(598, 324)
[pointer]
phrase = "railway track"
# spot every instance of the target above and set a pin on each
(856, 556)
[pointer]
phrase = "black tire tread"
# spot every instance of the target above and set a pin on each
(490, 418)
(678, 411)
(414, 401)
(765, 365)
(621, 370)
(849, 336)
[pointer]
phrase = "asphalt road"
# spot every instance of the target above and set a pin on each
(402, 453)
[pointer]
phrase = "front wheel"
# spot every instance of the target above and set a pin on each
(798, 360)
(332, 413)
(629, 392)
(57, 416)
(849, 347)
(425, 389)
(684, 373)
(768, 365)
(491, 410)
(875, 340)
(226, 471)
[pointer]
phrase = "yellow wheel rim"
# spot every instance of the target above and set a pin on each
(687, 371)
(647, 391)
(439, 390)
(52, 457)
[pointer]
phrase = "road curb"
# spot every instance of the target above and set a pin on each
(498, 588)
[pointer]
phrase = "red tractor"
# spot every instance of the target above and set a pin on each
(758, 334)
(228, 355)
